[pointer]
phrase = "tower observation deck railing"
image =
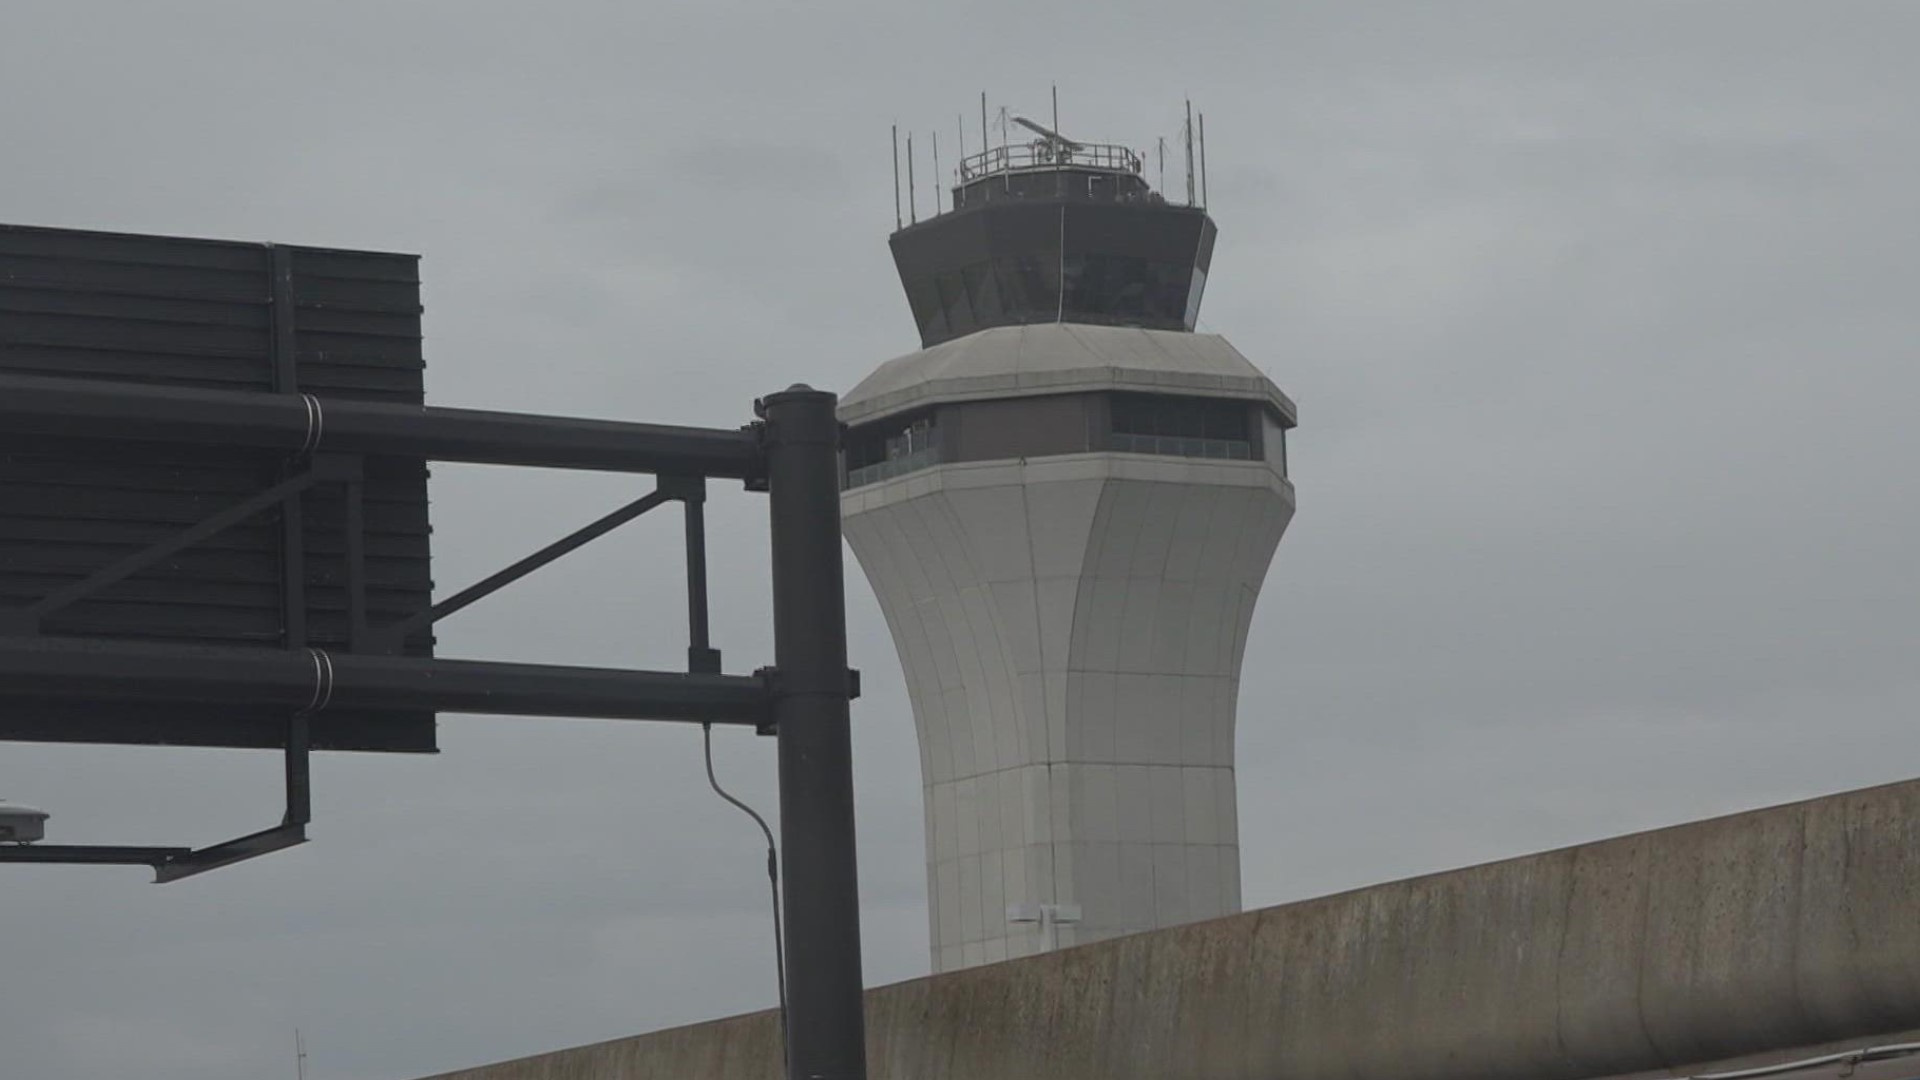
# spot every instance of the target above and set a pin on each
(1042, 154)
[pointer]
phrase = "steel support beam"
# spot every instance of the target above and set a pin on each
(305, 424)
(252, 846)
(825, 1026)
(394, 636)
(95, 670)
(169, 863)
(91, 854)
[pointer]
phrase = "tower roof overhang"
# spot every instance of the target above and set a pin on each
(1062, 358)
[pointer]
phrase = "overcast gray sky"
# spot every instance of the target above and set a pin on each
(1601, 318)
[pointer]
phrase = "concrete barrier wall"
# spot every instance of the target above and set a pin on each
(1785, 927)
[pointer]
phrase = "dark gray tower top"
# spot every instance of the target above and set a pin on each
(1053, 230)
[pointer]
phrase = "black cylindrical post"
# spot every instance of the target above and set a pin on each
(826, 1037)
(701, 655)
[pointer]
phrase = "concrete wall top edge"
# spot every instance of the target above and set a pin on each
(1789, 926)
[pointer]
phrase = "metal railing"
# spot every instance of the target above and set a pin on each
(922, 458)
(1042, 154)
(1181, 446)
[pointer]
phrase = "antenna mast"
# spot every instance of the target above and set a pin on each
(299, 1055)
(984, 137)
(1186, 134)
(913, 213)
(1203, 160)
(1162, 185)
(896, 178)
(936, 173)
(1006, 174)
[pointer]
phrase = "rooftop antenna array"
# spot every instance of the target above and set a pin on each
(1048, 149)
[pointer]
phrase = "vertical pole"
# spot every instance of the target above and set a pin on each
(896, 178)
(1059, 149)
(1203, 159)
(296, 762)
(299, 771)
(985, 139)
(960, 173)
(826, 1029)
(1187, 135)
(936, 174)
(913, 214)
(286, 380)
(1005, 160)
(701, 655)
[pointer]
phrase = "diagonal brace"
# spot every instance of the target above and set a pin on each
(188, 863)
(393, 634)
(29, 617)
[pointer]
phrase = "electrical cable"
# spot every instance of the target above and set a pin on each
(773, 880)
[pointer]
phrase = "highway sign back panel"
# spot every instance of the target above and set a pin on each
(218, 315)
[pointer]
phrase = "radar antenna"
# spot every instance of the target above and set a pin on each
(1052, 138)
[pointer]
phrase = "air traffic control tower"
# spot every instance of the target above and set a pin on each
(1066, 502)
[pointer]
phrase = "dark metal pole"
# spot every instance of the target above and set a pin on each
(826, 1037)
(1203, 160)
(98, 669)
(299, 770)
(701, 655)
(286, 380)
(106, 409)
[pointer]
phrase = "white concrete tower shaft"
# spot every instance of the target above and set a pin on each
(1067, 527)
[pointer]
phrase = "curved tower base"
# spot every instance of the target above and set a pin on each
(1072, 627)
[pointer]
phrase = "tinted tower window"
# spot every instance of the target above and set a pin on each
(1182, 426)
(889, 448)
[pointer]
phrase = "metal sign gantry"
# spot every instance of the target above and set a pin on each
(791, 452)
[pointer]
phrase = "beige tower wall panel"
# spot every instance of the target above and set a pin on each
(1072, 629)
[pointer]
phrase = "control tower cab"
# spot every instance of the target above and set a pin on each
(1054, 231)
